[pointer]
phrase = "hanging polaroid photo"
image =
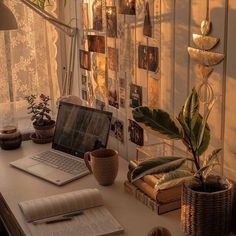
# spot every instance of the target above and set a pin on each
(148, 58)
(84, 80)
(117, 129)
(96, 43)
(85, 15)
(127, 7)
(100, 105)
(112, 93)
(113, 59)
(122, 83)
(147, 26)
(136, 95)
(85, 60)
(84, 95)
(122, 97)
(111, 18)
(135, 133)
(97, 15)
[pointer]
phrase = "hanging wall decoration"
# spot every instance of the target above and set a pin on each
(136, 133)
(113, 59)
(96, 43)
(147, 26)
(85, 16)
(111, 17)
(117, 129)
(112, 93)
(127, 7)
(205, 58)
(136, 95)
(148, 58)
(97, 15)
(100, 105)
(85, 60)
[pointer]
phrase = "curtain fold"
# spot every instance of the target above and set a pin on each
(27, 60)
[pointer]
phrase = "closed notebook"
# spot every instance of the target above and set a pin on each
(95, 220)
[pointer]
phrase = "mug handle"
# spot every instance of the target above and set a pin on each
(87, 161)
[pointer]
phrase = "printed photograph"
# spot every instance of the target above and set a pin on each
(148, 58)
(96, 43)
(135, 133)
(136, 95)
(85, 15)
(117, 129)
(112, 93)
(127, 7)
(85, 60)
(122, 97)
(97, 15)
(113, 59)
(147, 26)
(84, 95)
(100, 105)
(122, 82)
(84, 80)
(111, 18)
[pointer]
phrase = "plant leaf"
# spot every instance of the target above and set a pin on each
(191, 109)
(159, 121)
(173, 178)
(212, 157)
(206, 136)
(157, 166)
(204, 123)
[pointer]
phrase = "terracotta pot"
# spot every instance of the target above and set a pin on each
(206, 213)
(44, 132)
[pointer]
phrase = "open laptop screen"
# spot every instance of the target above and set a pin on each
(80, 129)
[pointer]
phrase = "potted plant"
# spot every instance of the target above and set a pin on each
(206, 199)
(43, 124)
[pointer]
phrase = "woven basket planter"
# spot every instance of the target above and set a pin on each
(206, 214)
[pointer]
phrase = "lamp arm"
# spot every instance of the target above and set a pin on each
(70, 31)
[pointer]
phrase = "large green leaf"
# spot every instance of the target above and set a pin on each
(159, 121)
(157, 166)
(191, 109)
(206, 135)
(173, 178)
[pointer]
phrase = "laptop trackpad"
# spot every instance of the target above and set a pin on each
(41, 169)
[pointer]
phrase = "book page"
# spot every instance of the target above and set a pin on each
(96, 221)
(60, 204)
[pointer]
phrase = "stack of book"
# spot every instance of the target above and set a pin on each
(160, 201)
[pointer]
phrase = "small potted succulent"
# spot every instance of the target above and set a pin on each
(43, 124)
(206, 198)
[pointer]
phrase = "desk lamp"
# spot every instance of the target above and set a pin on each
(7, 19)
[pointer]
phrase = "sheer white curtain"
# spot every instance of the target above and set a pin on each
(27, 61)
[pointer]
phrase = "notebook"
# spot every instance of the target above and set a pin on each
(96, 220)
(78, 129)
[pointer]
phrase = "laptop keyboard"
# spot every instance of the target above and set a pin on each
(62, 163)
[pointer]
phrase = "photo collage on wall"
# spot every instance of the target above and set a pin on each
(105, 83)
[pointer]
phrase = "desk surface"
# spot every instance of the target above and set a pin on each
(137, 219)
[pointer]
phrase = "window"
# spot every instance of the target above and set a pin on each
(27, 62)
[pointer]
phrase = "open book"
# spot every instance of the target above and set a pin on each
(95, 220)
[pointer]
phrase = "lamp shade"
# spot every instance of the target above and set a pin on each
(7, 19)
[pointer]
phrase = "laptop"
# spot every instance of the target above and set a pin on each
(78, 129)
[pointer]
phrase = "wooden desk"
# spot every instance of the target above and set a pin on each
(17, 186)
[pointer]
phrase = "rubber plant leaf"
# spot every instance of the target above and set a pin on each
(212, 157)
(157, 120)
(206, 135)
(173, 178)
(157, 166)
(191, 109)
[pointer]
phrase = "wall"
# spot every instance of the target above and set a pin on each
(175, 21)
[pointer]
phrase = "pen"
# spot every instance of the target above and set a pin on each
(74, 213)
(58, 220)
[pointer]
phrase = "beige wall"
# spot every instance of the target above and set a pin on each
(179, 19)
